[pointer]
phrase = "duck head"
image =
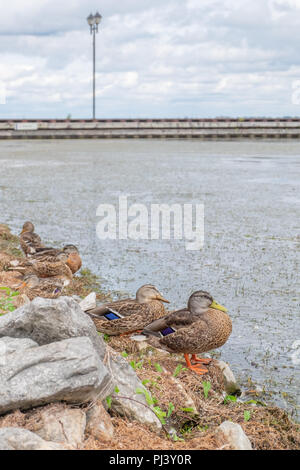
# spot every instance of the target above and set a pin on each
(201, 301)
(147, 293)
(28, 227)
(73, 257)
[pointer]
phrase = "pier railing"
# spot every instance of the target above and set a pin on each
(221, 128)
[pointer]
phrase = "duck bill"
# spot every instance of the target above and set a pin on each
(217, 306)
(162, 299)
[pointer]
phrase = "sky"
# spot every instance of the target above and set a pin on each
(170, 58)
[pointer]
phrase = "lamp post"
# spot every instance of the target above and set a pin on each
(94, 21)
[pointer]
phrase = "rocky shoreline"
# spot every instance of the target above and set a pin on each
(65, 386)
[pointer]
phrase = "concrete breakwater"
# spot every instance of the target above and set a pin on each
(221, 128)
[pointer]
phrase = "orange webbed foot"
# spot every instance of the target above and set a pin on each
(198, 369)
(198, 360)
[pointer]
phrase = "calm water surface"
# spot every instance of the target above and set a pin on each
(250, 261)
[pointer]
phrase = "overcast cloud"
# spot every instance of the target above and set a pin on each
(176, 58)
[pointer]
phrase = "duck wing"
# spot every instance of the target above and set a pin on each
(131, 323)
(189, 338)
(175, 320)
(125, 307)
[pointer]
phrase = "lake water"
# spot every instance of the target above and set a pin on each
(250, 259)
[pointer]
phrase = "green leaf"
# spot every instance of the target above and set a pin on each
(146, 394)
(188, 410)
(247, 415)
(145, 382)
(158, 367)
(178, 370)
(171, 408)
(117, 390)
(108, 401)
(160, 414)
(124, 354)
(230, 398)
(206, 388)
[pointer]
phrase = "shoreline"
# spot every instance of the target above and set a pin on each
(267, 427)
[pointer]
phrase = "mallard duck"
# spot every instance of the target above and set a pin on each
(69, 254)
(45, 266)
(135, 313)
(30, 242)
(33, 287)
(72, 259)
(202, 326)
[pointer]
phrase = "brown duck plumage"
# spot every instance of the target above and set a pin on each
(201, 327)
(137, 313)
(30, 242)
(34, 287)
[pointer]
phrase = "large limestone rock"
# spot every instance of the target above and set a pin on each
(62, 425)
(127, 402)
(68, 370)
(49, 320)
(231, 435)
(99, 423)
(21, 439)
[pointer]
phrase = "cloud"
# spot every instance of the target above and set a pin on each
(154, 59)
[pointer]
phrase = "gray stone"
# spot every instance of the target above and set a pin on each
(231, 435)
(127, 402)
(68, 370)
(89, 302)
(99, 423)
(11, 345)
(22, 439)
(63, 425)
(48, 320)
(230, 383)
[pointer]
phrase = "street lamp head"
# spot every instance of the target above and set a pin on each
(91, 20)
(98, 18)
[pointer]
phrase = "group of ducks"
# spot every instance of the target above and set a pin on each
(202, 326)
(45, 271)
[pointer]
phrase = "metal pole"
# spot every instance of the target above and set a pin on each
(94, 73)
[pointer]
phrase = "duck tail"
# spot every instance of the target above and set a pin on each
(151, 333)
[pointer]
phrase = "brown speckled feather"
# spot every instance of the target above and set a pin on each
(30, 242)
(47, 288)
(136, 316)
(45, 268)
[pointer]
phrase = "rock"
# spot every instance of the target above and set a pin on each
(49, 320)
(11, 345)
(89, 302)
(231, 435)
(127, 402)
(22, 439)
(99, 423)
(230, 383)
(68, 371)
(62, 425)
